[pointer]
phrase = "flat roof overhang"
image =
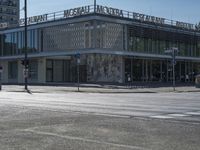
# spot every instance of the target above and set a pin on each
(97, 51)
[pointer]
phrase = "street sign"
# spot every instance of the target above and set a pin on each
(3, 25)
(78, 55)
(173, 49)
(168, 51)
(78, 61)
(25, 72)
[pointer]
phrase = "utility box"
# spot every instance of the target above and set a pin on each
(197, 81)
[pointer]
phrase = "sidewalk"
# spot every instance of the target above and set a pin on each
(96, 88)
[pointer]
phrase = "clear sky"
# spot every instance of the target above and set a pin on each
(181, 10)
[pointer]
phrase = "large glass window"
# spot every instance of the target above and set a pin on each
(198, 49)
(12, 70)
(156, 42)
(13, 43)
(33, 69)
(10, 44)
(58, 70)
(49, 71)
(1, 50)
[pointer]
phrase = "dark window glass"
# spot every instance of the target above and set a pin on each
(12, 70)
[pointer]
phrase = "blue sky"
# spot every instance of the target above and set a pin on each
(181, 10)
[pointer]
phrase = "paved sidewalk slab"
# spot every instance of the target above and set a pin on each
(96, 89)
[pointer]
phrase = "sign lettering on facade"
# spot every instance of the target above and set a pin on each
(148, 18)
(184, 25)
(3, 25)
(34, 19)
(77, 11)
(109, 11)
(197, 27)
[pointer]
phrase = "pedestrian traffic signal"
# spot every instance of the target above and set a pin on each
(22, 62)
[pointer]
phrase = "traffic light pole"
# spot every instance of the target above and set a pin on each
(173, 61)
(78, 76)
(25, 48)
(173, 51)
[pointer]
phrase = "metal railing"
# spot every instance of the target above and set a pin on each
(126, 14)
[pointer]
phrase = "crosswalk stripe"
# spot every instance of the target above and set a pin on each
(179, 115)
(162, 117)
(193, 113)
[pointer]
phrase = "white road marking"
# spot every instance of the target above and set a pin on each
(179, 115)
(86, 140)
(193, 113)
(162, 117)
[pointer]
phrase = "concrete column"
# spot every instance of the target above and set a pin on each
(143, 70)
(95, 34)
(42, 70)
(4, 76)
(151, 74)
(185, 71)
(180, 70)
(161, 71)
(125, 38)
(167, 71)
(122, 70)
(131, 69)
(20, 72)
(146, 68)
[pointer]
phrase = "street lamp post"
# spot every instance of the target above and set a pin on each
(173, 51)
(95, 5)
(25, 47)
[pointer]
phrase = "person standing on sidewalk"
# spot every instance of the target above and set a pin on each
(129, 81)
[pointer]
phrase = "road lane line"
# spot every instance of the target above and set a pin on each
(86, 140)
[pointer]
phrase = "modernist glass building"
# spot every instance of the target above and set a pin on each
(9, 13)
(113, 44)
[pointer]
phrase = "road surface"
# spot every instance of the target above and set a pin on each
(93, 121)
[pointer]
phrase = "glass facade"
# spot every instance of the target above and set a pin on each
(150, 70)
(13, 43)
(147, 40)
(105, 36)
(33, 70)
(12, 70)
(64, 71)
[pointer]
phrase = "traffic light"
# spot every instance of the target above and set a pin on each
(23, 62)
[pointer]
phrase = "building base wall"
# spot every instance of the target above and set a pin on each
(105, 68)
(98, 68)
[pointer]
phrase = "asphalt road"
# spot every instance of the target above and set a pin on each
(94, 121)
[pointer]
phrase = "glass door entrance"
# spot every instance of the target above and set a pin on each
(63, 71)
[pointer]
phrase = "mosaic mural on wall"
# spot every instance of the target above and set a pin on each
(104, 68)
